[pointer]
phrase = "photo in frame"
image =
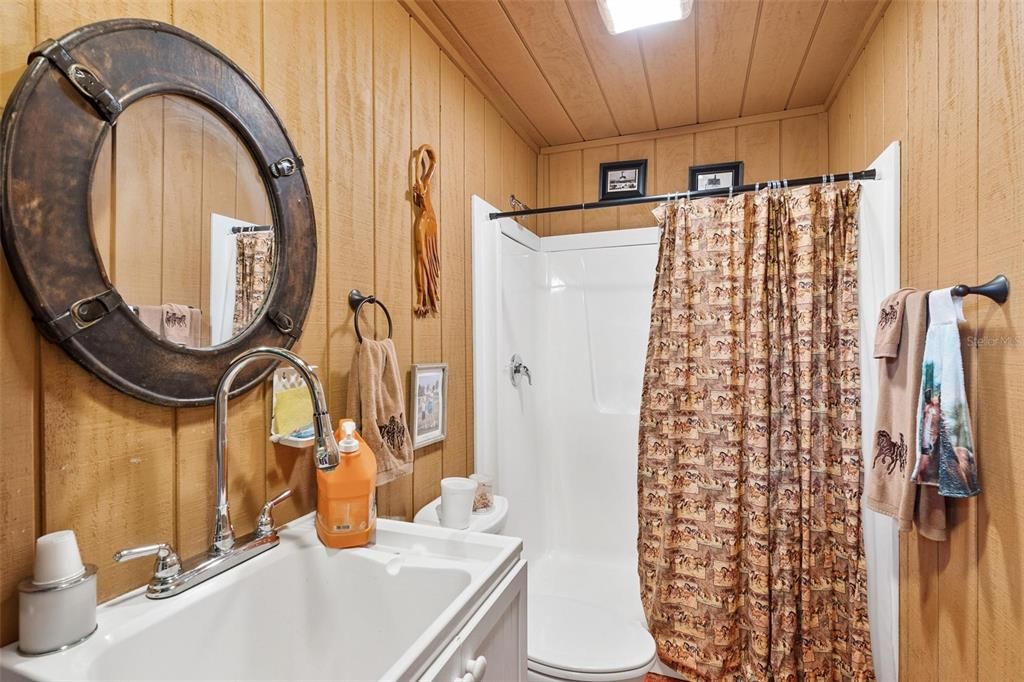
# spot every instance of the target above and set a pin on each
(429, 404)
(716, 176)
(623, 180)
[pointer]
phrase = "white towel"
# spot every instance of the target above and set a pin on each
(945, 456)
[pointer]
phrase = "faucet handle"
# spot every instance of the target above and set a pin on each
(265, 522)
(166, 565)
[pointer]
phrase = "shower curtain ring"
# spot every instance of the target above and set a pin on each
(850, 177)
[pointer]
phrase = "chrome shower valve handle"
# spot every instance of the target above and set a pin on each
(518, 369)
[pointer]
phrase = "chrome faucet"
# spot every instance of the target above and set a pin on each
(171, 576)
(326, 453)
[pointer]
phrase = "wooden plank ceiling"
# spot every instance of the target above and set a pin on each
(568, 80)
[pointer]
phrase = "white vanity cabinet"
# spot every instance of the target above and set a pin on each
(492, 645)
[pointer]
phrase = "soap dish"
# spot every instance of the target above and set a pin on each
(287, 378)
(292, 441)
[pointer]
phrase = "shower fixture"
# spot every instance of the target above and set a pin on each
(518, 369)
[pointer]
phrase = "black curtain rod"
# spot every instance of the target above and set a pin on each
(242, 229)
(718, 192)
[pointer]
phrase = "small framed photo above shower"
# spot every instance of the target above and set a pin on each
(623, 180)
(716, 176)
(429, 404)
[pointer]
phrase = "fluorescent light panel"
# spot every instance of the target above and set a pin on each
(625, 15)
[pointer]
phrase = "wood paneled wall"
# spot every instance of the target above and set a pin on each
(359, 85)
(946, 78)
(772, 146)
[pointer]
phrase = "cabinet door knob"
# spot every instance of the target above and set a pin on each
(474, 670)
(477, 667)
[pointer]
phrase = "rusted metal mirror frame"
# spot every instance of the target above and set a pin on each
(53, 127)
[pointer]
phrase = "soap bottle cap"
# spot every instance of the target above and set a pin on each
(348, 444)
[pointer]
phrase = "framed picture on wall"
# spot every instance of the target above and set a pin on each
(716, 176)
(623, 179)
(429, 404)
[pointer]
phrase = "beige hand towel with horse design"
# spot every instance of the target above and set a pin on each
(888, 487)
(376, 401)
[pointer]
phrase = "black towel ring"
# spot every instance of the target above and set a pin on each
(356, 300)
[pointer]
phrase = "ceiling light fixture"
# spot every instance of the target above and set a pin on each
(625, 15)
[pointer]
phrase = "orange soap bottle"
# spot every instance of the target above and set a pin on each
(346, 499)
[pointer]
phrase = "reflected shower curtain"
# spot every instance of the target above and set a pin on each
(751, 551)
(254, 271)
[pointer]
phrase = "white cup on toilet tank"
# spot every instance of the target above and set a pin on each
(456, 506)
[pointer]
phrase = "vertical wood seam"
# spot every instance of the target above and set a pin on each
(750, 56)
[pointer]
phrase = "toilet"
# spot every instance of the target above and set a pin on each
(569, 639)
(575, 640)
(485, 521)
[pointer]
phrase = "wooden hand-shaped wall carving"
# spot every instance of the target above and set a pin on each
(428, 254)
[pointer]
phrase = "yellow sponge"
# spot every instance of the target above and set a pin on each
(293, 409)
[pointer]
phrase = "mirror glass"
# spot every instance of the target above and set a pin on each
(182, 221)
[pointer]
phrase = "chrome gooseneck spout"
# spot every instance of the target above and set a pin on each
(326, 450)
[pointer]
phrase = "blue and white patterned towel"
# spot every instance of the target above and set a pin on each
(945, 456)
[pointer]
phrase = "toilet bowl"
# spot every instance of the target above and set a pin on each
(575, 640)
(569, 639)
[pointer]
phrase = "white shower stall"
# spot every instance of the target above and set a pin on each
(575, 309)
(563, 450)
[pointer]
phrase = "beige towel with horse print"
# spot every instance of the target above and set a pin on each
(889, 489)
(889, 329)
(899, 345)
(376, 401)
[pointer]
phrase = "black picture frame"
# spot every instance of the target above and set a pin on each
(632, 176)
(714, 169)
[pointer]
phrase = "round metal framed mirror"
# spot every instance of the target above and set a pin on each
(153, 290)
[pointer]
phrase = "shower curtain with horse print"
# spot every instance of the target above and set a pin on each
(751, 549)
(254, 272)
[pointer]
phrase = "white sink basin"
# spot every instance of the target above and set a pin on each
(299, 611)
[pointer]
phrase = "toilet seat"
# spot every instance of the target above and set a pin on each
(574, 640)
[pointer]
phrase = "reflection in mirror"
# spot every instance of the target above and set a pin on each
(182, 221)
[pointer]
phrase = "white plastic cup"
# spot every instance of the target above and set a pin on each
(57, 558)
(456, 506)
